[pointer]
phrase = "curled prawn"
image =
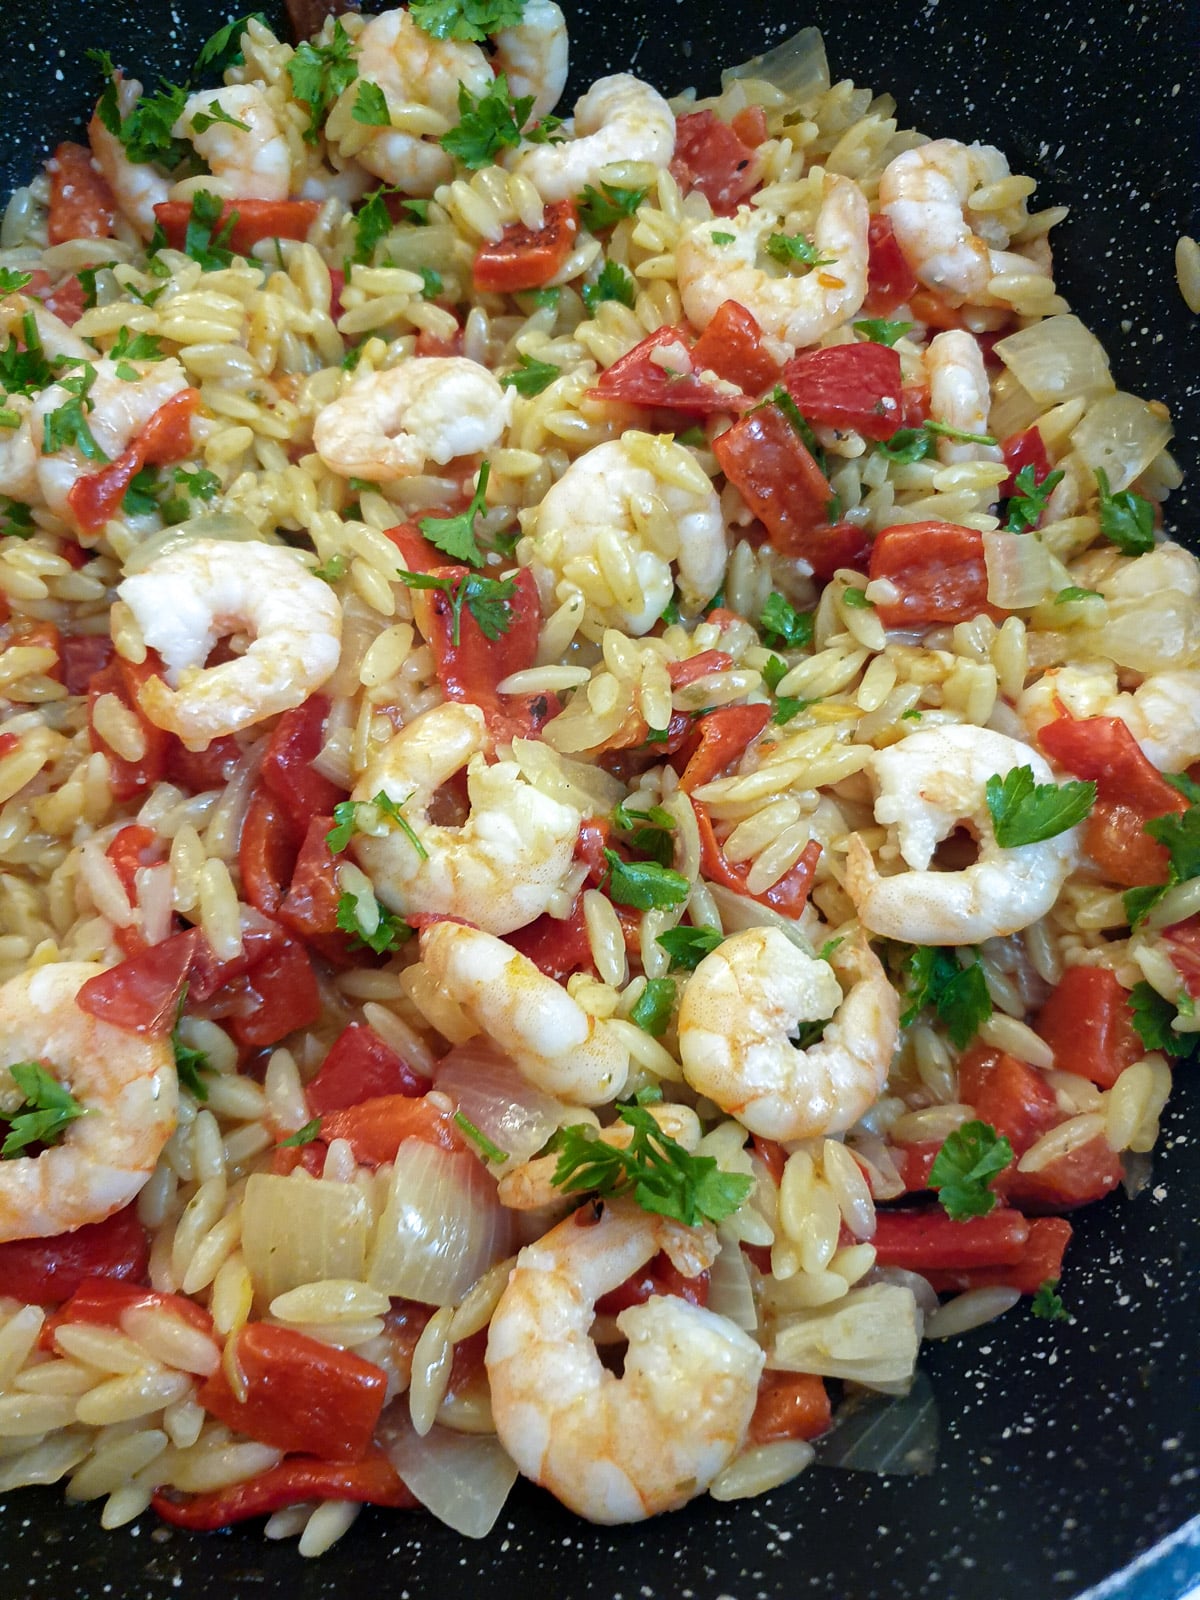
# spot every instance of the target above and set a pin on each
(749, 995)
(388, 424)
(620, 118)
(960, 395)
(1162, 713)
(503, 866)
(617, 1449)
(621, 522)
(125, 1083)
(235, 130)
(715, 263)
(533, 55)
(546, 1032)
(192, 595)
(137, 185)
(929, 785)
(531, 1185)
(924, 192)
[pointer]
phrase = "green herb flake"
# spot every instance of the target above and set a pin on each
(319, 74)
(645, 885)
(141, 497)
(1065, 597)
(308, 1134)
(794, 247)
(906, 446)
(388, 934)
(431, 283)
(787, 707)
(1179, 834)
(487, 124)
(782, 625)
(375, 817)
(958, 994)
(216, 113)
(490, 1151)
(16, 519)
(455, 536)
(944, 431)
(189, 1062)
(687, 947)
(489, 600)
(1126, 519)
(45, 1112)
(614, 283)
(130, 346)
(879, 331)
(1027, 503)
(603, 207)
(1139, 903)
(857, 600)
(724, 238)
(370, 106)
(1024, 811)
(334, 570)
(652, 1011)
(471, 20)
(1152, 1016)
(13, 282)
(224, 49)
(1047, 1303)
(531, 377)
(206, 238)
(968, 1159)
(372, 223)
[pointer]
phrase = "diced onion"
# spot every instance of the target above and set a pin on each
(230, 525)
(1021, 572)
(872, 1434)
(491, 1093)
(1013, 409)
(442, 1226)
(432, 246)
(1121, 435)
(729, 1291)
(738, 911)
(1056, 360)
(1143, 633)
(798, 67)
(298, 1230)
(870, 1335)
(462, 1478)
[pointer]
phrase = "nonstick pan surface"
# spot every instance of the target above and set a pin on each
(1067, 1450)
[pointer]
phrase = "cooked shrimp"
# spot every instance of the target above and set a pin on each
(548, 1035)
(18, 454)
(619, 119)
(621, 522)
(533, 56)
(925, 192)
(116, 408)
(715, 264)
(412, 69)
(503, 866)
(929, 785)
(1162, 713)
(250, 161)
(960, 395)
(616, 1449)
(192, 595)
(531, 1185)
(744, 1000)
(137, 185)
(387, 425)
(124, 1081)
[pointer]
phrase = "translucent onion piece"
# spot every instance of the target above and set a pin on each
(872, 1434)
(922, 1290)
(729, 1291)
(798, 67)
(1021, 572)
(1122, 435)
(441, 1228)
(414, 248)
(299, 1230)
(491, 1093)
(737, 912)
(463, 1478)
(229, 525)
(871, 1336)
(1137, 1169)
(1145, 632)
(1013, 408)
(1057, 360)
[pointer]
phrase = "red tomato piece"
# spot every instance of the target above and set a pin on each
(938, 569)
(918, 1238)
(376, 1128)
(416, 552)
(132, 847)
(1104, 750)
(767, 462)
(1020, 450)
(42, 1271)
(287, 768)
(1088, 1025)
(790, 1405)
(732, 347)
(81, 203)
(718, 740)
(142, 992)
(253, 221)
(1183, 939)
(1009, 1094)
(527, 258)
(102, 1302)
(281, 991)
(81, 656)
(848, 386)
(710, 156)
(301, 1394)
(267, 852)
(97, 496)
(636, 379)
(124, 679)
(372, 1481)
(789, 896)
(558, 946)
(890, 279)
(1115, 837)
(657, 1277)
(1041, 1259)
(209, 976)
(360, 1066)
(1078, 1178)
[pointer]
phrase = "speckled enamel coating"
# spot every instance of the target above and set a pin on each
(1067, 1449)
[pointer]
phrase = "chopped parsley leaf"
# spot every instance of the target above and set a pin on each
(1152, 1016)
(224, 48)
(1024, 811)
(652, 1011)
(857, 600)
(645, 885)
(969, 1157)
(372, 222)
(206, 238)
(1028, 500)
(130, 346)
(490, 1151)
(455, 536)
(45, 1112)
(387, 934)
(489, 600)
(189, 1063)
(319, 74)
(790, 247)
(959, 995)
(370, 106)
(531, 377)
(879, 331)
(16, 519)
(487, 124)
(687, 947)
(781, 624)
(1126, 519)
(1064, 597)
(308, 1134)
(1047, 1303)
(11, 282)
(203, 120)
(603, 207)
(376, 817)
(471, 20)
(614, 283)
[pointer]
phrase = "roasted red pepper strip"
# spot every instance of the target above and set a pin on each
(719, 739)
(636, 379)
(848, 386)
(372, 1481)
(1010, 1095)
(81, 202)
(360, 1066)
(82, 655)
(102, 1302)
(123, 679)
(142, 992)
(681, 673)
(732, 347)
(132, 847)
(790, 1405)
(710, 156)
(41, 1271)
(557, 946)
(375, 1129)
(1083, 1175)
(890, 280)
(788, 896)
(766, 461)
(301, 1394)
(938, 571)
(254, 220)
(1041, 1259)
(309, 909)
(925, 1237)
(1020, 450)
(1087, 1023)
(288, 770)
(658, 1276)
(527, 258)
(281, 995)
(167, 437)
(267, 852)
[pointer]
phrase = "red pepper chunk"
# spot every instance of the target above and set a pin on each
(132, 847)
(1020, 450)
(1183, 942)
(301, 1394)
(790, 1405)
(710, 156)
(1078, 1178)
(167, 437)
(360, 1066)
(789, 896)
(371, 1481)
(921, 1238)
(309, 909)
(288, 770)
(719, 739)
(766, 461)
(657, 1277)
(1009, 1094)
(848, 386)
(253, 221)
(1104, 750)
(890, 279)
(375, 1129)
(1115, 837)
(82, 655)
(1087, 1023)
(142, 992)
(281, 995)
(123, 679)
(267, 852)
(938, 571)
(637, 379)
(527, 258)
(81, 202)
(102, 1302)
(556, 946)
(732, 347)
(43, 1271)
(1040, 1259)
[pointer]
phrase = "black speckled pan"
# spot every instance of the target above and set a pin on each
(1068, 1450)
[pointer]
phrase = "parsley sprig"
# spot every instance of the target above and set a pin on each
(659, 1173)
(145, 132)
(1047, 1303)
(645, 885)
(1126, 519)
(44, 1113)
(687, 947)
(1152, 1016)
(319, 74)
(968, 1159)
(782, 626)
(472, 20)
(649, 833)
(455, 536)
(1027, 503)
(652, 1010)
(489, 600)
(601, 208)
(206, 237)
(224, 49)
(878, 330)
(376, 817)
(614, 283)
(958, 994)
(1024, 811)
(487, 124)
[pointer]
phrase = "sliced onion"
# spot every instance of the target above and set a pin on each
(1021, 572)
(1057, 359)
(738, 912)
(1145, 633)
(798, 67)
(729, 1291)
(298, 1230)
(920, 1288)
(462, 1478)
(229, 525)
(876, 1434)
(1013, 408)
(1121, 435)
(491, 1093)
(442, 1226)
(870, 1335)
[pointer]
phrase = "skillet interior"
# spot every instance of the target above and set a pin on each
(1066, 1448)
